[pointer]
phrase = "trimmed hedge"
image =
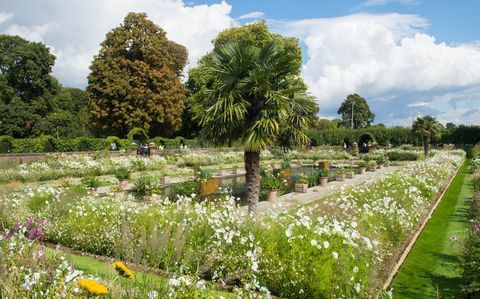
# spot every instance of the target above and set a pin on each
(402, 155)
(45, 144)
(337, 136)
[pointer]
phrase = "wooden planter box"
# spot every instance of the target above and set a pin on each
(340, 177)
(209, 186)
(272, 195)
(301, 188)
(324, 181)
(350, 175)
(324, 164)
(362, 170)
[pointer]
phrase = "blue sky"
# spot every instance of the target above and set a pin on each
(406, 57)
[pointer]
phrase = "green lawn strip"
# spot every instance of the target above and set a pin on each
(105, 270)
(433, 266)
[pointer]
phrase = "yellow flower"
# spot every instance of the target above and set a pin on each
(123, 270)
(92, 287)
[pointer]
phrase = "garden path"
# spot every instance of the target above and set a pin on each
(291, 200)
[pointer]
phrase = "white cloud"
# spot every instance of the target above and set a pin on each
(371, 3)
(252, 15)
(80, 26)
(5, 16)
(379, 56)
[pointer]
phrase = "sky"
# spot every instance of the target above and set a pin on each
(407, 58)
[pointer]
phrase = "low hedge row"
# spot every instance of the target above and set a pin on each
(46, 144)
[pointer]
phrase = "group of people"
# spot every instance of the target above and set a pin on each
(143, 149)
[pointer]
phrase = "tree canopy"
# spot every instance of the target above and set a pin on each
(135, 80)
(201, 79)
(428, 128)
(26, 86)
(362, 115)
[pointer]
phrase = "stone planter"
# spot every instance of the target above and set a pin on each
(301, 188)
(362, 170)
(340, 177)
(272, 195)
(164, 180)
(372, 169)
(123, 184)
(323, 181)
(93, 191)
(386, 164)
(209, 186)
(350, 175)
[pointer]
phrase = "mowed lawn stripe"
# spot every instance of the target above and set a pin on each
(433, 266)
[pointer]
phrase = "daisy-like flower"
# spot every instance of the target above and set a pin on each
(92, 287)
(123, 270)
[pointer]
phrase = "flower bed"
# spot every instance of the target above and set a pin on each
(58, 166)
(337, 247)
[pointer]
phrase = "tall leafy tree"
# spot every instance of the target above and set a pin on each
(362, 115)
(255, 103)
(26, 86)
(135, 80)
(256, 34)
(427, 128)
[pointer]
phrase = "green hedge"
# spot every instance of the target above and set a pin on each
(46, 144)
(337, 136)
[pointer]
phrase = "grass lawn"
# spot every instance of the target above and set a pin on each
(104, 270)
(432, 269)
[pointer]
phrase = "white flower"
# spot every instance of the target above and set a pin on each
(288, 232)
(355, 270)
(326, 244)
(335, 255)
(313, 242)
(174, 282)
(357, 287)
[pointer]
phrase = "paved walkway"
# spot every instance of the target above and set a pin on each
(294, 199)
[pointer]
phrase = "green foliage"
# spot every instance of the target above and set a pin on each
(324, 173)
(398, 155)
(286, 163)
(337, 136)
(146, 185)
(202, 173)
(135, 80)
(122, 174)
(362, 116)
(26, 86)
(90, 182)
(462, 135)
(363, 164)
(185, 188)
(271, 182)
(428, 129)
(312, 177)
(137, 134)
(303, 180)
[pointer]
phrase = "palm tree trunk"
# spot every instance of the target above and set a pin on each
(426, 142)
(252, 178)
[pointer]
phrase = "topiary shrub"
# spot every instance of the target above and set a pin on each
(6, 144)
(402, 155)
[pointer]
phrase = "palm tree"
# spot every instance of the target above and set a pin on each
(255, 103)
(427, 128)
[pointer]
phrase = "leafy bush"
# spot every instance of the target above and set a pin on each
(122, 174)
(271, 182)
(185, 188)
(397, 155)
(146, 185)
(312, 177)
(90, 182)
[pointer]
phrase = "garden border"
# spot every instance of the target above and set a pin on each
(414, 238)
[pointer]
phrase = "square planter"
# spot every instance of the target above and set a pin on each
(272, 195)
(301, 188)
(123, 184)
(209, 186)
(349, 175)
(324, 181)
(340, 177)
(164, 180)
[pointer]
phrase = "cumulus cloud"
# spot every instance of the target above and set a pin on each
(252, 15)
(78, 27)
(380, 56)
(371, 3)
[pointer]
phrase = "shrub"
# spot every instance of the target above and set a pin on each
(312, 177)
(122, 174)
(6, 144)
(90, 182)
(146, 185)
(396, 155)
(185, 188)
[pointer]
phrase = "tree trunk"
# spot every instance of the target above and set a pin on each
(426, 142)
(252, 179)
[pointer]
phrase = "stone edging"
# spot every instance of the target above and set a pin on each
(413, 240)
